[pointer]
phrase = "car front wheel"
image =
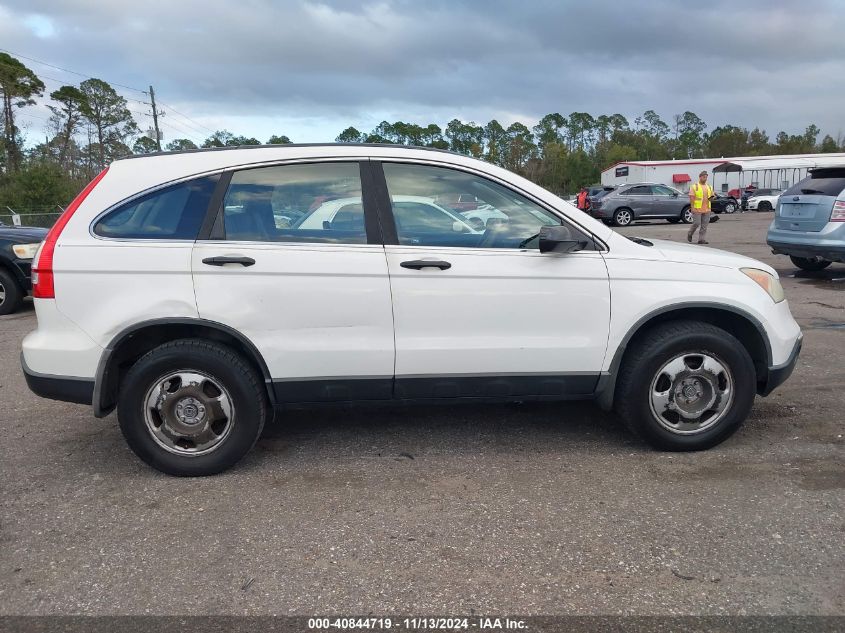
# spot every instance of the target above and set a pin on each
(764, 206)
(685, 386)
(730, 207)
(810, 263)
(191, 408)
(686, 216)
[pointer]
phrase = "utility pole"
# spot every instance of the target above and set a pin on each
(155, 118)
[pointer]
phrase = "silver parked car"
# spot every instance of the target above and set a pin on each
(809, 223)
(641, 201)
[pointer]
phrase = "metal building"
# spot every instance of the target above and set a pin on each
(726, 174)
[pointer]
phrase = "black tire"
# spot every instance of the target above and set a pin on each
(643, 362)
(764, 206)
(623, 216)
(686, 216)
(11, 295)
(673, 220)
(730, 207)
(812, 264)
(243, 386)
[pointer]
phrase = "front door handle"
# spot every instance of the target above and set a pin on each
(224, 259)
(417, 264)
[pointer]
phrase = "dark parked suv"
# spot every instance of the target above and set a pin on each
(640, 201)
(17, 248)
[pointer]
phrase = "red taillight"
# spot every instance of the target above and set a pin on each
(838, 213)
(42, 271)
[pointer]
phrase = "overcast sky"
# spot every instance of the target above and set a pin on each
(310, 69)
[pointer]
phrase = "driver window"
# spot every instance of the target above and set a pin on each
(436, 206)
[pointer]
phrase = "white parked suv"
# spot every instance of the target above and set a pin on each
(169, 292)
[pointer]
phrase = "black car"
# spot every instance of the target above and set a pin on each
(17, 247)
(724, 204)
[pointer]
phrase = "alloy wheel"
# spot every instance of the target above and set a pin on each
(622, 218)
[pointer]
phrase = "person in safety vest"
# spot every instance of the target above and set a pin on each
(700, 194)
(582, 199)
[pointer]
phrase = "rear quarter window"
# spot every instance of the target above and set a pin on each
(171, 213)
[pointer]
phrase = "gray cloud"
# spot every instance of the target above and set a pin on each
(320, 66)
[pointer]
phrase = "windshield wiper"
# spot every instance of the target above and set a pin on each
(811, 191)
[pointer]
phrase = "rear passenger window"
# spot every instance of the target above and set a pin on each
(319, 202)
(172, 213)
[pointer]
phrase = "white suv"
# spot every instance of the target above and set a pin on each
(169, 291)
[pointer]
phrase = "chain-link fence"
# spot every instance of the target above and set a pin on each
(30, 217)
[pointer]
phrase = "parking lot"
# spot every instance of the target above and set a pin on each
(512, 509)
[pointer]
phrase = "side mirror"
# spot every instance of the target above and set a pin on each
(674, 194)
(558, 239)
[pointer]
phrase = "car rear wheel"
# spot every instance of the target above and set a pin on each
(685, 386)
(764, 206)
(11, 296)
(810, 263)
(686, 216)
(191, 408)
(623, 217)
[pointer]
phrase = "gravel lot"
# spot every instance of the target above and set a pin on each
(516, 509)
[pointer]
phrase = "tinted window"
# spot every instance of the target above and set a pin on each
(819, 186)
(502, 219)
(172, 213)
(663, 191)
(639, 191)
(318, 202)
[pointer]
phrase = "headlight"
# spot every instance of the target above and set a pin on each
(767, 282)
(25, 251)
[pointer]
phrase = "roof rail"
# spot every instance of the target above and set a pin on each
(277, 146)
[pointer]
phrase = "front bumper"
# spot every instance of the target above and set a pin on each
(22, 269)
(777, 375)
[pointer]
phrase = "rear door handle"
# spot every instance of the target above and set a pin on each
(417, 264)
(224, 259)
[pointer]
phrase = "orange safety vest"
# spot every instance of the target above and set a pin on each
(698, 192)
(582, 200)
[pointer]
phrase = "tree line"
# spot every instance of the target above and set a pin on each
(91, 125)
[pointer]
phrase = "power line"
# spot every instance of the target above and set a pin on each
(173, 127)
(72, 72)
(190, 123)
(184, 133)
(32, 116)
(172, 109)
